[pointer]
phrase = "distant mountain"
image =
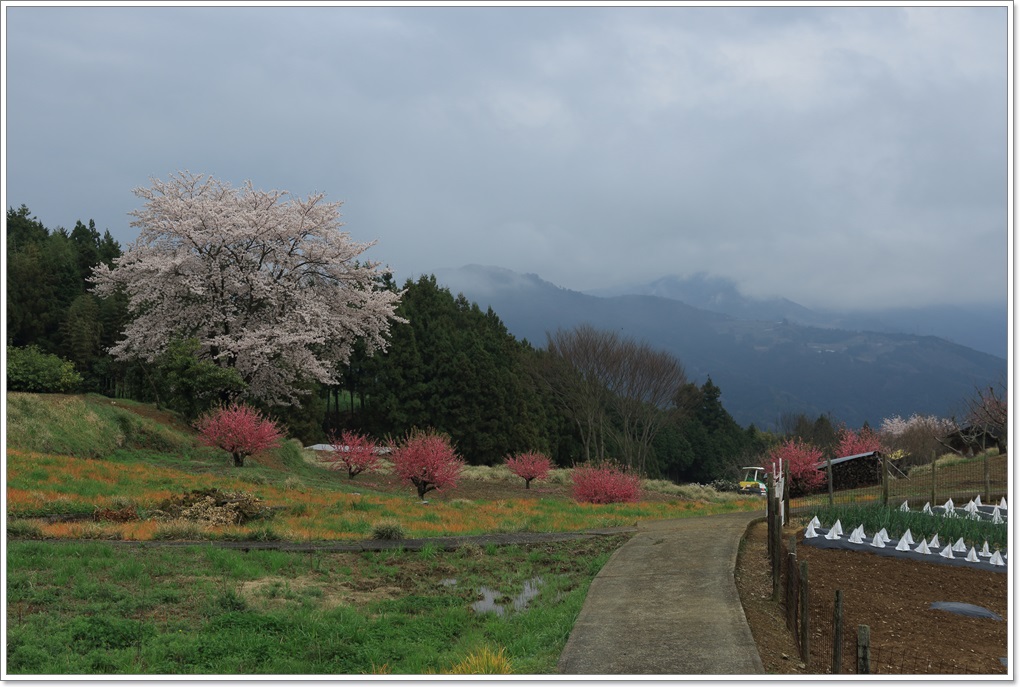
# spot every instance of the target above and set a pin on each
(764, 367)
(981, 327)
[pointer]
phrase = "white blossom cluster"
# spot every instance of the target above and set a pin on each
(934, 426)
(267, 282)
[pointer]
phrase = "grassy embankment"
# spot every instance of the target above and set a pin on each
(93, 607)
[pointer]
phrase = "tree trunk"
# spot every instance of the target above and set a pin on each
(238, 460)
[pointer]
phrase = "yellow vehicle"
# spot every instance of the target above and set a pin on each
(754, 481)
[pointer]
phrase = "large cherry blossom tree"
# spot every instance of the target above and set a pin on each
(267, 282)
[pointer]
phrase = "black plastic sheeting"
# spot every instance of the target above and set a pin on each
(820, 542)
(969, 610)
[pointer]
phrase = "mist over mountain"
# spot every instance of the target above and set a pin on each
(764, 366)
(981, 327)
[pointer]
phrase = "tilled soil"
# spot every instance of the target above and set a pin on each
(892, 597)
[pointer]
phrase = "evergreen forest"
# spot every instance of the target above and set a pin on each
(449, 366)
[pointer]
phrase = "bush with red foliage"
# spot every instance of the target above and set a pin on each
(240, 430)
(805, 477)
(427, 460)
(529, 466)
(853, 443)
(354, 453)
(605, 483)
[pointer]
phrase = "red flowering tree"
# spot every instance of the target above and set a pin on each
(240, 430)
(354, 453)
(852, 443)
(805, 476)
(428, 461)
(604, 483)
(529, 466)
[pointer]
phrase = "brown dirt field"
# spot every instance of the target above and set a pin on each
(891, 596)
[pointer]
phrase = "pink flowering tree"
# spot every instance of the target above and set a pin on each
(529, 466)
(266, 282)
(427, 460)
(604, 483)
(804, 458)
(851, 443)
(354, 453)
(240, 430)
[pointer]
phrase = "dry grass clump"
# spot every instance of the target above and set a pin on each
(690, 492)
(213, 507)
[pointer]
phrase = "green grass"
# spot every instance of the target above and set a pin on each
(87, 608)
(89, 426)
(874, 517)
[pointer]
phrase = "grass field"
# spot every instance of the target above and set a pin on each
(79, 602)
(90, 608)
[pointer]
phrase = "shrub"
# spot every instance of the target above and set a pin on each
(354, 453)
(29, 369)
(605, 483)
(483, 662)
(239, 430)
(805, 477)
(387, 528)
(428, 461)
(529, 466)
(853, 443)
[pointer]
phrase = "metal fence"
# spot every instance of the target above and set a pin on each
(934, 482)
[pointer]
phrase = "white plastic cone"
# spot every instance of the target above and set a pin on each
(997, 516)
(909, 537)
(877, 541)
(996, 559)
(903, 544)
(934, 543)
(971, 507)
(947, 552)
(815, 522)
(905, 507)
(922, 547)
(977, 501)
(1002, 504)
(984, 552)
(839, 528)
(972, 556)
(927, 509)
(832, 534)
(948, 505)
(959, 546)
(856, 537)
(810, 532)
(884, 536)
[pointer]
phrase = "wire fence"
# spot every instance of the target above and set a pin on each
(857, 653)
(876, 478)
(830, 633)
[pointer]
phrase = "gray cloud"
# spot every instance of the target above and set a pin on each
(841, 156)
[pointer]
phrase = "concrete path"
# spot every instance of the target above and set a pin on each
(666, 604)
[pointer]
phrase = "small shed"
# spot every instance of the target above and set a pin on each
(858, 470)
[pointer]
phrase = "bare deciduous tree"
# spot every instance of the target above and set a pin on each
(621, 390)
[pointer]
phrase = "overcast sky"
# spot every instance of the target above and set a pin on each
(838, 156)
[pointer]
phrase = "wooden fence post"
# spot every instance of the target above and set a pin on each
(837, 633)
(786, 489)
(805, 615)
(828, 471)
(791, 592)
(885, 480)
(777, 532)
(988, 481)
(863, 650)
